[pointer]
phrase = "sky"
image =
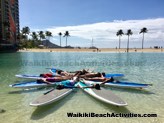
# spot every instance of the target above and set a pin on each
(97, 19)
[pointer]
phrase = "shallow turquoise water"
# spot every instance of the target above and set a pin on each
(137, 67)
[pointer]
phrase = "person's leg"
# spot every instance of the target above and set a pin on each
(96, 79)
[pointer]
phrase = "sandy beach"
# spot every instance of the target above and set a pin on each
(91, 50)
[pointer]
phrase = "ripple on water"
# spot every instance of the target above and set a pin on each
(137, 67)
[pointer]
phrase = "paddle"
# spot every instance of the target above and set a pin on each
(48, 91)
(96, 87)
(59, 88)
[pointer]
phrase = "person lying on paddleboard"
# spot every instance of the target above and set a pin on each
(97, 86)
(62, 73)
(98, 77)
(50, 80)
(58, 73)
(91, 75)
(71, 83)
(68, 84)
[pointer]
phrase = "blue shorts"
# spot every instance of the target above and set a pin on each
(68, 83)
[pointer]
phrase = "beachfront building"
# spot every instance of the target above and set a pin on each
(9, 23)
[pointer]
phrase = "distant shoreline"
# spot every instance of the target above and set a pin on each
(112, 50)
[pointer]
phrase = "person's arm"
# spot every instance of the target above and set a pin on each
(81, 76)
(102, 76)
(88, 86)
(90, 75)
(105, 81)
(95, 79)
(71, 87)
(65, 73)
(45, 80)
(91, 86)
(76, 75)
(108, 80)
(57, 75)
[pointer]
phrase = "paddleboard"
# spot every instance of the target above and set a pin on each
(25, 76)
(103, 95)
(31, 84)
(114, 75)
(50, 97)
(122, 84)
(108, 75)
(53, 70)
(34, 84)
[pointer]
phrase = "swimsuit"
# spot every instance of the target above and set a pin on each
(68, 83)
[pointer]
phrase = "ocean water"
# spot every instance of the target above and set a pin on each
(137, 67)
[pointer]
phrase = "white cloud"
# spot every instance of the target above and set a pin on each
(106, 31)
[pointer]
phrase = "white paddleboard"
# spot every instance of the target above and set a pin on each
(25, 76)
(103, 95)
(121, 84)
(50, 97)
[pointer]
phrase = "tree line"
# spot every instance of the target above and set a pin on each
(129, 32)
(37, 38)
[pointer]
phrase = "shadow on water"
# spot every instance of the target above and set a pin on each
(43, 111)
(2, 110)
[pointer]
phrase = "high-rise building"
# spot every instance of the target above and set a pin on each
(9, 22)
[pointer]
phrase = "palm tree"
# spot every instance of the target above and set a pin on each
(129, 32)
(66, 35)
(143, 30)
(26, 31)
(48, 34)
(34, 36)
(119, 33)
(24, 35)
(41, 35)
(60, 34)
(35, 39)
